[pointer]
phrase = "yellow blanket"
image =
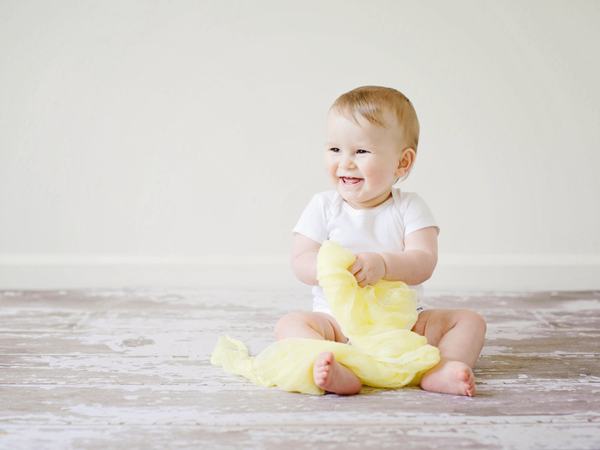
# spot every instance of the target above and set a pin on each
(383, 352)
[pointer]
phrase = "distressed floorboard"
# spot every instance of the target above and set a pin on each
(129, 368)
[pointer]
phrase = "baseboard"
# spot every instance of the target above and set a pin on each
(517, 273)
(454, 272)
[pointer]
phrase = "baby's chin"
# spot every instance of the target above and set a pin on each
(348, 196)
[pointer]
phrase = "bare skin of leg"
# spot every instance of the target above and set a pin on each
(328, 374)
(459, 335)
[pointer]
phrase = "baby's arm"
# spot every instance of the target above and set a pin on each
(304, 258)
(416, 263)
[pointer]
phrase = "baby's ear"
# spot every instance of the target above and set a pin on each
(407, 159)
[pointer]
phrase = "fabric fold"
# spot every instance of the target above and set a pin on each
(384, 353)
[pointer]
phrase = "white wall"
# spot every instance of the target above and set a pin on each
(153, 142)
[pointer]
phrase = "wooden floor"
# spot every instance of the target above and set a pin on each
(129, 368)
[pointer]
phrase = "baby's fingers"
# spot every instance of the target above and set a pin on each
(360, 278)
(355, 268)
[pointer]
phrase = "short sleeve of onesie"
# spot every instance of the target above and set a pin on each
(313, 221)
(416, 213)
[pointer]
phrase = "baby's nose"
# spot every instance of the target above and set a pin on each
(348, 162)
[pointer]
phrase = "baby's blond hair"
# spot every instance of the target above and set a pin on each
(371, 103)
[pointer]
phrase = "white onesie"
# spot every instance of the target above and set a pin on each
(379, 229)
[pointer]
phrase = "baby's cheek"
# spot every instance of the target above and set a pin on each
(377, 174)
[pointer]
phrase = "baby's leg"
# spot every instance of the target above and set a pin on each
(328, 374)
(459, 335)
(315, 325)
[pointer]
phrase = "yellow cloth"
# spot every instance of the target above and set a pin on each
(383, 352)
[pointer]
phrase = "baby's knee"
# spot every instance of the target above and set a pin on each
(474, 320)
(289, 320)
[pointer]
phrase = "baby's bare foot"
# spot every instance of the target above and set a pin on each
(334, 377)
(450, 377)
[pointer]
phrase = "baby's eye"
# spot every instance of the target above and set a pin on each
(362, 151)
(334, 149)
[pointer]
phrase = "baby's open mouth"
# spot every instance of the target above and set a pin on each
(350, 180)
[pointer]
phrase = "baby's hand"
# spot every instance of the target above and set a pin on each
(368, 268)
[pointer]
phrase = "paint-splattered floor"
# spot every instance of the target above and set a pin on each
(130, 368)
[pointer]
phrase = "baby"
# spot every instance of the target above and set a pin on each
(372, 136)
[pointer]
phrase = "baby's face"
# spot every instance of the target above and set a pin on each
(363, 160)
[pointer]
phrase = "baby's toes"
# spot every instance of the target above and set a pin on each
(328, 359)
(465, 377)
(472, 387)
(470, 391)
